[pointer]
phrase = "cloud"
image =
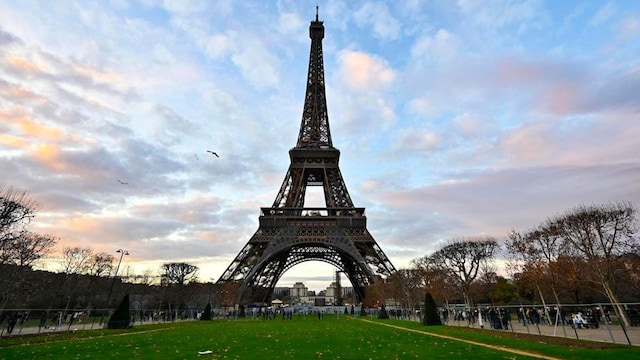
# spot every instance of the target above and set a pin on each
(421, 106)
(23, 66)
(629, 28)
(494, 15)
(290, 23)
(364, 72)
(417, 140)
(600, 140)
(378, 17)
(30, 128)
(256, 64)
(613, 93)
(603, 14)
(185, 8)
(438, 48)
(10, 141)
(360, 97)
(170, 128)
(495, 201)
(7, 38)
(219, 45)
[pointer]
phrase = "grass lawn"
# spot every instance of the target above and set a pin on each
(300, 338)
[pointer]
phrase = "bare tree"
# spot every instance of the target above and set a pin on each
(179, 273)
(228, 293)
(602, 236)
(100, 264)
(147, 277)
(463, 258)
(26, 248)
(405, 284)
(75, 260)
(17, 209)
(537, 252)
(435, 280)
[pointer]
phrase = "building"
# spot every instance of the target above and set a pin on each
(300, 295)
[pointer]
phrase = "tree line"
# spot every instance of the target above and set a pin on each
(81, 278)
(587, 254)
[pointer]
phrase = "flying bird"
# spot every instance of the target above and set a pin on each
(213, 152)
(123, 183)
(196, 155)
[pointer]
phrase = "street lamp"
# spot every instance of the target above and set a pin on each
(113, 282)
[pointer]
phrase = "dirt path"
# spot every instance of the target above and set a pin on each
(495, 347)
(103, 335)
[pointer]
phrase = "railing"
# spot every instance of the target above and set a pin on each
(603, 329)
(311, 211)
(598, 322)
(35, 321)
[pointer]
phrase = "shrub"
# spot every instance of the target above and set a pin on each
(206, 315)
(383, 313)
(431, 316)
(121, 318)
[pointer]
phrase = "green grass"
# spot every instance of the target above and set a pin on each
(299, 338)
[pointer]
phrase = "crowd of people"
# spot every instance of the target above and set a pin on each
(500, 317)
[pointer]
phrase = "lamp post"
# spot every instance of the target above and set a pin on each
(113, 282)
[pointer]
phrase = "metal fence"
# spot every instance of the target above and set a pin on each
(35, 321)
(594, 322)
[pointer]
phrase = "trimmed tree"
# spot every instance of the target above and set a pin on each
(430, 311)
(383, 313)
(206, 315)
(120, 318)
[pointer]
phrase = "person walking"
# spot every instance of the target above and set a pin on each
(43, 321)
(11, 323)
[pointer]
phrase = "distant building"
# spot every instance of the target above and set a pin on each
(299, 294)
(281, 293)
(299, 290)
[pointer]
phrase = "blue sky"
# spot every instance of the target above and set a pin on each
(453, 118)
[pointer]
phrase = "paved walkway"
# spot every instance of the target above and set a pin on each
(606, 332)
(29, 330)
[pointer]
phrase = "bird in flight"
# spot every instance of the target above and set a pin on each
(123, 183)
(213, 152)
(196, 155)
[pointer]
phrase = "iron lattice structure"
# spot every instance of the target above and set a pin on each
(290, 233)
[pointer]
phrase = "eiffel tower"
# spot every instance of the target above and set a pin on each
(290, 233)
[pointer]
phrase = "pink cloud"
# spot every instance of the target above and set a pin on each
(34, 129)
(49, 156)
(562, 98)
(510, 70)
(23, 65)
(362, 71)
(13, 141)
(97, 75)
(418, 140)
(600, 139)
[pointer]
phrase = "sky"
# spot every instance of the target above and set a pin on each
(453, 119)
